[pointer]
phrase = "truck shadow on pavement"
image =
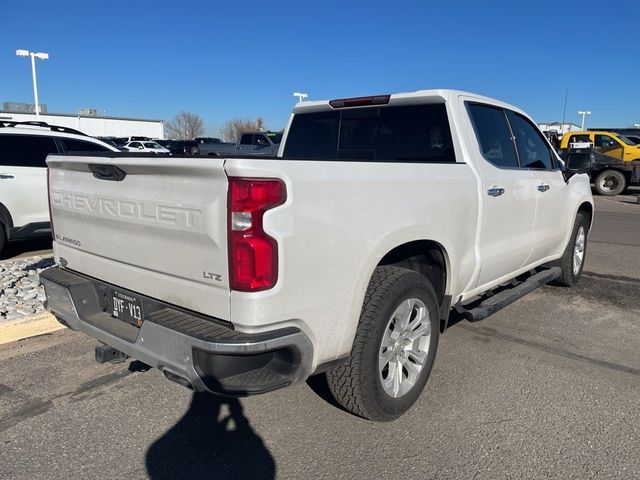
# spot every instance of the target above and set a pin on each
(41, 246)
(213, 440)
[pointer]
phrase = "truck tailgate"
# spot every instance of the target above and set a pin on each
(160, 231)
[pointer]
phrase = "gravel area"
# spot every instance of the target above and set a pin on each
(22, 294)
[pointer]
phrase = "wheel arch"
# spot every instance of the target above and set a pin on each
(587, 209)
(429, 258)
(6, 218)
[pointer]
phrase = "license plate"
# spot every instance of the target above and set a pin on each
(126, 307)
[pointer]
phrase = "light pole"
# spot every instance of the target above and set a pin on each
(34, 55)
(584, 114)
(300, 96)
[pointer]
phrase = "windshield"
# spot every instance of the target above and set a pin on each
(152, 145)
(626, 140)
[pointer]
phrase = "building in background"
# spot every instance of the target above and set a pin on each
(23, 107)
(559, 128)
(89, 122)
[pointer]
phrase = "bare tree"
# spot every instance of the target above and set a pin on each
(184, 126)
(233, 127)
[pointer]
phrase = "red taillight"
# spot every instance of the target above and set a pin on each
(253, 255)
(360, 101)
(53, 235)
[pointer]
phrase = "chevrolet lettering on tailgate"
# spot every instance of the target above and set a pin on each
(128, 209)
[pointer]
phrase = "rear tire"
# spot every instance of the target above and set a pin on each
(394, 347)
(572, 261)
(610, 182)
(3, 236)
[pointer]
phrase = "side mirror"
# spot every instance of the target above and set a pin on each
(577, 162)
(140, 147)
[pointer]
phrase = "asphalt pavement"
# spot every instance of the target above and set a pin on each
(546, 388)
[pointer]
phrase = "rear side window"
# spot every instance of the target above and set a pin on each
(533, 150)
(72, 145)
(246, 139)
(25, 150)
(417, 133)
(494, 135)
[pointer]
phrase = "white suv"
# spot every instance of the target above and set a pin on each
(24, 147)
(146, 147)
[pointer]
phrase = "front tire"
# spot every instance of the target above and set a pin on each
(394, 348)
(572, 261)
(610, 182)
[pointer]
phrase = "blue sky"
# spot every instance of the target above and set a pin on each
(246, 58)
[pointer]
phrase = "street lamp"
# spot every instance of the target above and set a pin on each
(300, 96)
(583, 113)
(39, 56)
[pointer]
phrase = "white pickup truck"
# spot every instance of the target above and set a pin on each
(380, 219)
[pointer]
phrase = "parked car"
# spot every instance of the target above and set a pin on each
(113, 141)
(632, 133)
(146, 147)
(179, 147)
(213, 146)
(347, 255)
(24, 146)
(200, 140)
(248, 143)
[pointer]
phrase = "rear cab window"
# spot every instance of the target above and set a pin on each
(26, 150)
(579, 139)
(412, 133)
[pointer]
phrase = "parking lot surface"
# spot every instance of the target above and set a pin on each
(547, 388)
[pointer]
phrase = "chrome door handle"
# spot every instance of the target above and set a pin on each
(5, 176)
(543, 188)
(495, 192)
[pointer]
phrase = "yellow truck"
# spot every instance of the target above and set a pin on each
(607, 143)
(615, 160)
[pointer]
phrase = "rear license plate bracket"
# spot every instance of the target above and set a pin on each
(126, 306)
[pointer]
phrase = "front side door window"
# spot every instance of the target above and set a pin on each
(261, 141)
(533, 150)
(607, 145)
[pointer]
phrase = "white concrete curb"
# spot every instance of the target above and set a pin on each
(27, 327)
